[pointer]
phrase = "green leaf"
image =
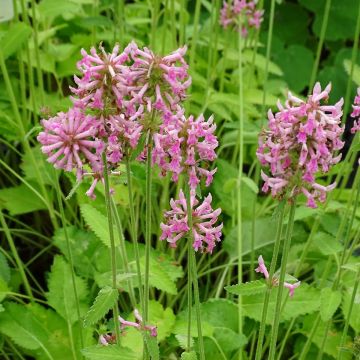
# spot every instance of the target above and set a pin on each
(248, 288)
(356, 71)
(50, 9)
(326, 243)
(110, 352)
(20, 200)
(4, 268)
(306, 300)
(61, 293)
(105, 300)
(354, 319)
(189, 355)
(14, 38)
(98, 223)
(329, 302)
(152, 347)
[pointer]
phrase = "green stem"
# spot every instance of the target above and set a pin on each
(286, 248)
(195, 33)
(279, 228)
(112, 243)
(70, 257)
(239, 184)
(320, 44)
(16, 256)
(147, 226)
(268, 51)
(182, 35)
(189, 294)
(347, 319)
(353, 62)
(123, 250)
(303, 354)
(193, 273)
(134, 236)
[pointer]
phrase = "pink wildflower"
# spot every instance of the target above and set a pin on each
(204, 231)
(292, 287)
(301, 141)
(138, 324)
(185, 144)
(262, 267)
(241, 10)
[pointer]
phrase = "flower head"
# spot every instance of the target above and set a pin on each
(204, 231)
(292, 287)
(301, 140)
(138, 324)
(262, 267)
(241, 10)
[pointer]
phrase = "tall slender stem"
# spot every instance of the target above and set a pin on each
(320, 44)
(279, 228)
(195, 33)
(286, 248)
(353, 62)
(112, 243)
(239, 183)
(16, 256)
(134, 236)
(347, 320)
(70, 256)
(189, 294)
(147, 225)
(193, 273)
(123, 250)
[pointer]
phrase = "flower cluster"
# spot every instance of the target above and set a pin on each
(275, 281)
(356, 113)
(204, 231)
(302, 139)
(236, 11)
(106, 339)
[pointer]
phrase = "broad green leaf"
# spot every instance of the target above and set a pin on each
(260, 62)
(50, 9)
(20, 200)
(61, 292)
(3, 289)
(98, 223)
(250, 183)
(354, 319)
(248, 288)
(189, 355)
(329, 302)
(35, 328)
(306, 300)
(110, 352)
(105, 300)
(14, 38)
(356, 71)
(326, 243)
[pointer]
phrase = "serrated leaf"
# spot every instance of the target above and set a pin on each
(98, 223)
(61, 293)
(152, 347)
(326, 243)
(329, 302)
(306, 300)
(189, 355)
(20, 200)
(104, 301)
(249, 288)
(110, 352)
(14, 38)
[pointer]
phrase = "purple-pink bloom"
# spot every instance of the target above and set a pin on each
(356, 112)
(138, 324)
(262, 267)
(186, 145)
(292, 287)
(302, 139)
(205, 233)
(242, 11)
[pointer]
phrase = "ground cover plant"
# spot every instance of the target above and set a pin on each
(179, 179)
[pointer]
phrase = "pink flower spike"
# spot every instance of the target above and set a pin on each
(292, 287)
(139, 324)
(262, 267)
